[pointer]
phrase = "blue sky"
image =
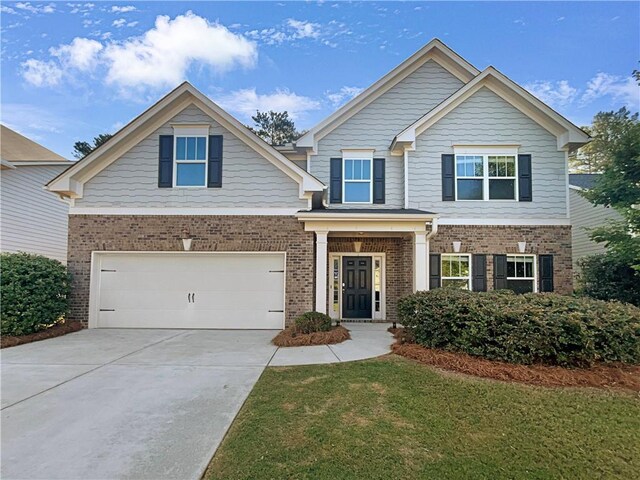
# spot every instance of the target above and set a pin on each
(72, 70)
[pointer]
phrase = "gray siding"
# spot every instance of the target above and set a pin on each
(586, 215)
(487, 119)
(377, 124)
(248, 179)
(32, 219)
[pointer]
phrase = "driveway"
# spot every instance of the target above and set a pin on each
(104, 404)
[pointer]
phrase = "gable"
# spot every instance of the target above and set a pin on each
(249, 180)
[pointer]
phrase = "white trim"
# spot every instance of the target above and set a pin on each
(41, 164)
(503, 221)
(357, 155)
(177, 162)
(575, 187)
(96, 263)
(469, 278)
(435, 51)
(406, 178)
(535, 269)
(486, 178)
(321, 271)
(194, 130)
(486, 149)
(182, 211)
(383, 293)
(566, 182)
(420, 261)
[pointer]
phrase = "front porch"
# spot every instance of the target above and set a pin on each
(366, 260)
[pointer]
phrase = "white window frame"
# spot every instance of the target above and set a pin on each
(365, 154)
(485, 153)
(443, 278)
(535, 269)
(190, 131)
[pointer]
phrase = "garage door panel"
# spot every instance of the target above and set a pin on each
(152, 290)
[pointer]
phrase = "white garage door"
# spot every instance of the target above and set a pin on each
(188, 290)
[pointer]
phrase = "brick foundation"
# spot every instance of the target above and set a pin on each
(399, 265)
(498, 239)
(210, 233)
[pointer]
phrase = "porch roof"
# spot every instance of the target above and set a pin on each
(366, 219)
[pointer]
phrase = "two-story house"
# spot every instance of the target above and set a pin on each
(438, 174)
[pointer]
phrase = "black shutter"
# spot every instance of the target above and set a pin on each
(524, 178)
(479, 272)
(378, 180)
(165, 162)
(448, 178)
(499, 272)
(215, 161)
(434, 271)
(545, 263)
(335, 181)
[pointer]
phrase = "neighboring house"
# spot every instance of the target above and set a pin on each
(584, 216)
(31, 218)
(437, 174)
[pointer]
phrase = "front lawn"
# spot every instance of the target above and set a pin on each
(393, 418)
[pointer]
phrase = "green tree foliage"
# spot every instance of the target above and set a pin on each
(275, 128)
(33, 291)
(607, 277)
(616, 145)
(82, 149)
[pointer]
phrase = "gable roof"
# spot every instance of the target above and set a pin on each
(434, 50)
(17, 148)
(70, 182)
(568, 135)
(584, 181)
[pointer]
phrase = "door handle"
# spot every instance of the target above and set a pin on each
(188, 297)
(193, 298)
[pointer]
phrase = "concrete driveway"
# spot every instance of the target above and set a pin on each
(105, 404)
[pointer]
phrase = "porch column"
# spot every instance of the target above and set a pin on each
(321, 271)
(420, 246)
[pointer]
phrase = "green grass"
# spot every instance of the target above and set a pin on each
(391, 418)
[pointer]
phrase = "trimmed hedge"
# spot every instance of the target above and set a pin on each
(311, 322)
(33, 293)
(547, 329)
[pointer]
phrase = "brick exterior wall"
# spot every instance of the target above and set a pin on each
(494, 239)
(210, 233)
(399, 265)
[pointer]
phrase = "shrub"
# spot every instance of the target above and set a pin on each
(606, 277)
(311, 322)
(549, 329)
(33, 292)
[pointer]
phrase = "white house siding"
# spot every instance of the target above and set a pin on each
(487, 119)
(32, 219)
(585, 215)
(248, 179)
(376, 125)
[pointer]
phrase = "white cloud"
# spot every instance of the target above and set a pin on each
(81, 53)
(120, 22)
(9, 10)
(560, 19)
(29, 119)
(123, 9)
(245, 103)
(28, 7)
(41, 73)
(162, 56)
(553, 93)
(620, 89)
(343, 95)
(304, 29)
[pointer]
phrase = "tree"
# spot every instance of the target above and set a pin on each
(82, 149)
(616, 145)
(275, 128)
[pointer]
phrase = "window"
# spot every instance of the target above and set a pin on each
(336, 287)
(377, 284)
(521, 273)
(191, 161)
(486, 177)
(456, 271)
(357, 180)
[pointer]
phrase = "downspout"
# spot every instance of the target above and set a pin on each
(434, 230)
(406, 178)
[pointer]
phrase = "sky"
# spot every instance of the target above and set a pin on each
(73, 70)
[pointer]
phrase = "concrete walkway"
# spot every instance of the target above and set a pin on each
(112, 404)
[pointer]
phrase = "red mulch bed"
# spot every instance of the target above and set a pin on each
(289, 338)
(51, 332)
(618, 376)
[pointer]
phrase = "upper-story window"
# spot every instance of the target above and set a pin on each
(486, 176)
(357, 184)
(190, 158)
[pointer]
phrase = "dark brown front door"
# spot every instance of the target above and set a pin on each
(356, 290)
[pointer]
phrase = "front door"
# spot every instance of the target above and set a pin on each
(356, 287)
